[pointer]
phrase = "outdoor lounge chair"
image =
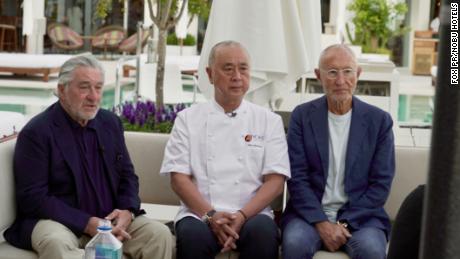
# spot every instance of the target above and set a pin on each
(64, 38)
(108, 38)
(129, 45)
(29, 64)
(187, 64)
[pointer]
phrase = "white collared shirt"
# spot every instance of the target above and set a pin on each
(227, 156)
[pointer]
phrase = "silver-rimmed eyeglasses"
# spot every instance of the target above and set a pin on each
(334, 73)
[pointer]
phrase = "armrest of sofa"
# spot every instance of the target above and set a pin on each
(7, 197)
(411, 171)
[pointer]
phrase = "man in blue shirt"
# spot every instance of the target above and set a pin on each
(341, 152)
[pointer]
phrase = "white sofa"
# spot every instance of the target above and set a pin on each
(7, 202)
(146, 151)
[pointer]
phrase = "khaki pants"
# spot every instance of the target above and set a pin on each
(150, 239)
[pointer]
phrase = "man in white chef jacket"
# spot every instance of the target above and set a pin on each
(227, 160)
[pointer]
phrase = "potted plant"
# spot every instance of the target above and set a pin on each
(375, 23)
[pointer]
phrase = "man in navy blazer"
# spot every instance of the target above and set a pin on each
(72, 169)
(341, 152)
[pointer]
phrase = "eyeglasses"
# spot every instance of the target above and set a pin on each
(334, 73)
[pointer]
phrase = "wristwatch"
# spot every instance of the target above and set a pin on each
(343, 223)
(206, 218)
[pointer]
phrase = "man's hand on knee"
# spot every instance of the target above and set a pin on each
(91, 226)
(120, 234)
(332, 235)
(121, 219)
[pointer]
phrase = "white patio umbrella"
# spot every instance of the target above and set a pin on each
(282, 37)
(181, 26)
(34, 25)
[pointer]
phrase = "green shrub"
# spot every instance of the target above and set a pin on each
(188, 41)
(375, 23)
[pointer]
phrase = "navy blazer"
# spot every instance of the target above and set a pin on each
(48, 177)
(369, 165)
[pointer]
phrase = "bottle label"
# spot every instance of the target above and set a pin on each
(107, 252)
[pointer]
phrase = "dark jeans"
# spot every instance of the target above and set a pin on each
(302, 241)
(259, 238)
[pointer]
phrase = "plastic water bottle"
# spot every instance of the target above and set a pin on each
(104, 245)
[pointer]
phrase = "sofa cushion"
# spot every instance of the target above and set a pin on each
(146, 151)
(411, 171)
(328, 255)
(7, 202)
(8, 251)
(318, 255)
(7, 199)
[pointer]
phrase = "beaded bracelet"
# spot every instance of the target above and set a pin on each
(244, 215)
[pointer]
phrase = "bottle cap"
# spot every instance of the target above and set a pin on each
(104, 225)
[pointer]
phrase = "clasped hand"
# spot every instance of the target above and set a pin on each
(226, 227)
(121, 219)
(333, 235)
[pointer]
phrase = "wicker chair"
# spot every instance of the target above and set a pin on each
(64, 38)
(129, 44)
(108, 38)
(9, 40)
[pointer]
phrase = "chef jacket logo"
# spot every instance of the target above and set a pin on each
(253, 140)
(248, 138)
(252, 137)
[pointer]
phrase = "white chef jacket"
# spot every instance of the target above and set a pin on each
(227, 156)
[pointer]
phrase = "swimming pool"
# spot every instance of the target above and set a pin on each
(416, 109)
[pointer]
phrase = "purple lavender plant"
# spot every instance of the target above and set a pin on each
(146, 116)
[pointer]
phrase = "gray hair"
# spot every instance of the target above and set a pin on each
(336, 46)
(227, 43)
(67, 69)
